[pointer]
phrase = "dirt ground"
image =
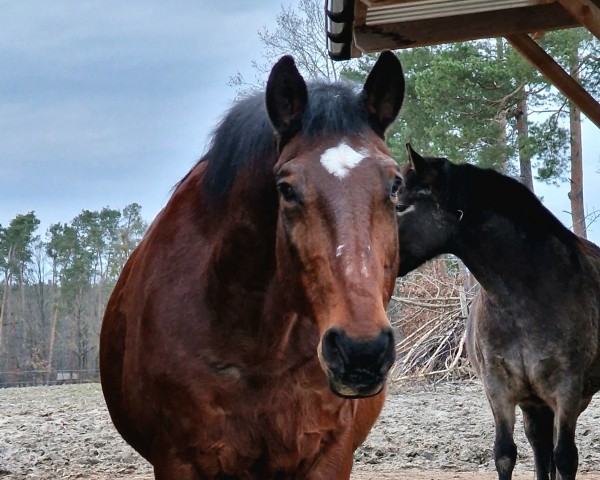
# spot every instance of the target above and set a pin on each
(425, 432)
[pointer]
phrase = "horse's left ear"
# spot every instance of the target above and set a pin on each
(424, 170)
(417, 162)
(286, 98)
(383, 92)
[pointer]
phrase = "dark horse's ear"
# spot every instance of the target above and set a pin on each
(286, 99)
(426, 172)
(417, 162)
(383, 92)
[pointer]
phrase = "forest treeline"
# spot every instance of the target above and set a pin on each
(54, 289)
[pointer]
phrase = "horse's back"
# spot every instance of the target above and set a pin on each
(534, 336)
(591, 252)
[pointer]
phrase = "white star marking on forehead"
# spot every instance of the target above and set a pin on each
(341, 159)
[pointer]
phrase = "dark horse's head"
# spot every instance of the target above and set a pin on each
(336, 240)
(427, 215)
(444, 207)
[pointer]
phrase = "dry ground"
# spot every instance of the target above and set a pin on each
(425, 433)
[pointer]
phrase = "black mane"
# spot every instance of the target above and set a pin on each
(478, 192)
(245, 138)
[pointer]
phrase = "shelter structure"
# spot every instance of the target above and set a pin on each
(355, 27)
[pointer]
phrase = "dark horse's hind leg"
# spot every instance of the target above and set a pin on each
(539, 428)
(569, 407)
(505, 450)
(565, 452)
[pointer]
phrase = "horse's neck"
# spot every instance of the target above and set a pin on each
(254, 303)
(289, 333)
(506, 261)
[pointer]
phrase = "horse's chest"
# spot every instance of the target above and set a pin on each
(281, 431)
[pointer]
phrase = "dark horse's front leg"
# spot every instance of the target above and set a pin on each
(539, 429)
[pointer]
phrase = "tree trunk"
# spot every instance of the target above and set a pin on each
(4, 305)
(25, 324)
(576, 193)
(523, 135)
(5, 295)
(51, 340)
(501, 115)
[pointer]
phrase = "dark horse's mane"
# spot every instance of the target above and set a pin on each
(469, 186)
(245, 139)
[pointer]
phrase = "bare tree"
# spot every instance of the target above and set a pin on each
(300, 32)
(5, 293)
(576, 193)
(578, 51)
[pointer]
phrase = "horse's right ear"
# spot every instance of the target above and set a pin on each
(286, 98)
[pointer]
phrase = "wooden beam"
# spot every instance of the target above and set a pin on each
(585, 12)
(418, 33)
(555, 73)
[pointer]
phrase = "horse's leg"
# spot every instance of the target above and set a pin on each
(539, 428)
(171, 468)
(335, 462)
(329, 469)
(168, 465)
(565, 452)
(569, 406)
(505, 450)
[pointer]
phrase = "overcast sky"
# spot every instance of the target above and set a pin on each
(106, 103)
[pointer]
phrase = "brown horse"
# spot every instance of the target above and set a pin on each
(533, 333)
(250, 322)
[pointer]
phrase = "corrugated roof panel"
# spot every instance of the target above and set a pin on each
(425, 9)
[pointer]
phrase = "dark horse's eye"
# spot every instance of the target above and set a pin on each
(287, 192)
(395, 187)
(401, 207)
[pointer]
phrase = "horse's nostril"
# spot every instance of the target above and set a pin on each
(333, 350)
(388, 342)
(345, 355)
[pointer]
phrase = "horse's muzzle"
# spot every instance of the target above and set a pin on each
(357, 368)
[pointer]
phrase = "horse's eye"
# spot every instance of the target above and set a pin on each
(401, 207)
(287, 192)
(395, 187)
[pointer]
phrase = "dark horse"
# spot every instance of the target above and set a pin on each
(533, 333)
(250, 322)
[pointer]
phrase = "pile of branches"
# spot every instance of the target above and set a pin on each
(429, 310)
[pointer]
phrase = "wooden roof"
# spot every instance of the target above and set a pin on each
(364, 26)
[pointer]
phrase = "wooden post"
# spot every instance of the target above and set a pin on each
(585, 12)
(556, 74)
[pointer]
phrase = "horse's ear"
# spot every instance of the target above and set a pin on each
(383, 92)
(426, 172)
(286, 98)
(417, 162)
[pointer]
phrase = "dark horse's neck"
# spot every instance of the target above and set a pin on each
(506, 237)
